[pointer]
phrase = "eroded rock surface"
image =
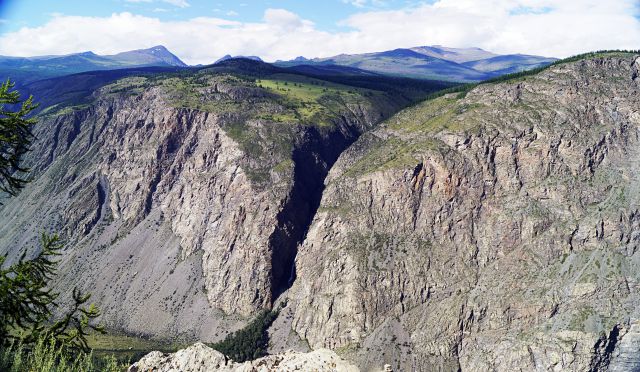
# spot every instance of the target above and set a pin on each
(495, 231)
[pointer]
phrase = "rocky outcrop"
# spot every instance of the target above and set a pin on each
(201, 358)
(496, 230)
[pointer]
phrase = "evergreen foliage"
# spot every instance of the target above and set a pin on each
(26, 304)
(29, 337)
(15, 137)
(251, 342)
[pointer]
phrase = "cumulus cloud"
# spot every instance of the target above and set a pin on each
(545, 27)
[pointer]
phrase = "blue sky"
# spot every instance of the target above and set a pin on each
(326, 14)
(201, 31)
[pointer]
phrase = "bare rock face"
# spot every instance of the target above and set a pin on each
(493, 231)
(181, 200)
(201, 358)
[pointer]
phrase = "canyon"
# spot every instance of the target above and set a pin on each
(492, 228)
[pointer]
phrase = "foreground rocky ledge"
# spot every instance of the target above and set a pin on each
(201, 358)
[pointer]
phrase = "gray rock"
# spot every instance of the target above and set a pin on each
(496, 231)
(201, 358)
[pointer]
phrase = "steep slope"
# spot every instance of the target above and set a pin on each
(182, 197)
(493, 231)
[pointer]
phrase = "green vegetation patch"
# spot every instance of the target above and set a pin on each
(444, 113)
(579, 318)
(56, 110)
(394, 153)
(412, 128)
(195, 92)
(251, 342)
(130, 85)
(309, 101)
(47, 356)
(128, 349)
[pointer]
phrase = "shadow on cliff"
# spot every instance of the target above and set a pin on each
(313, 159)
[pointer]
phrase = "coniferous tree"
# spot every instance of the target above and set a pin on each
(15, 137)
(250, 342)
(26, 301)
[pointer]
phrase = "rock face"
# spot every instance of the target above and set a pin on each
(183, 198)
(493, 231)
(201, 358)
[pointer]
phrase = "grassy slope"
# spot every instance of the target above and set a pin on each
(440, 111)
(305, 96)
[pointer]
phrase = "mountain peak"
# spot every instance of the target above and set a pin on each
(86, 54)
(159, 47)
(156, 55)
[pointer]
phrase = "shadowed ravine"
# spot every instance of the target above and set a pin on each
(312, 161)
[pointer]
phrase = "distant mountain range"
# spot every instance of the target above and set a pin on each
(425, 62)
(432, 62)
(25, 69)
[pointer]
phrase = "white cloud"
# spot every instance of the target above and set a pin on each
(232, 13)
(178, 3)
(544, 27)
(356, 3)
(365, 3)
